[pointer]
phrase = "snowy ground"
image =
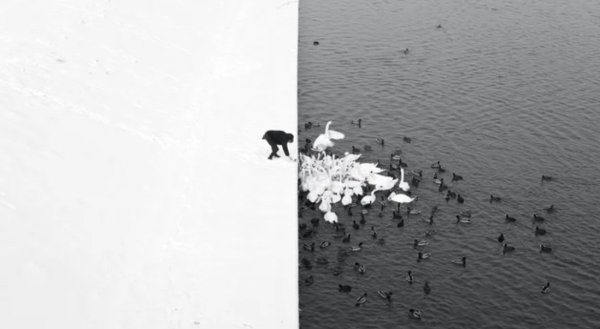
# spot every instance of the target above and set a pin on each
(134, 186)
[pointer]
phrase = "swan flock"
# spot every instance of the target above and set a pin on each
(328, 179)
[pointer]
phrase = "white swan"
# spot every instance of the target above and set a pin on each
(403, 185)
(324, 140)
(400, 198)
(369, 199)
(331, 217)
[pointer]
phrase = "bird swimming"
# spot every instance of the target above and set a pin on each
(344, 288)
(346, 239)
(402, 184)
(427, 288)
(501, 238)
(414, 314)
(324, 140)
(538, 218)
(420, 243)
(546, 178)
(357, 248)
(409, 277)
(546, 288)
(456, 177)
(373, 233)
(407, 139)
(361, 300)
(550, 209)
(324, 244)
(494, 198)
(387, 295)
(509, 219)
(462, 261)
(460, 199)
(507, 249)
(545, 248)
(539, 231)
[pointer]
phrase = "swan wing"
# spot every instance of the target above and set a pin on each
(335, 134)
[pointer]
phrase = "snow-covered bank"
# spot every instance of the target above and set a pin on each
(133, 190)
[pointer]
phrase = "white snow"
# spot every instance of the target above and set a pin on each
(134, 186)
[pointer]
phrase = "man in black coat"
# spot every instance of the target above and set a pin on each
(278, 137)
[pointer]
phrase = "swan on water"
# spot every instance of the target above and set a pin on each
(324, 140)
(403, 185)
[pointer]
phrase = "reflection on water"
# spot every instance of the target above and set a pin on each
(501, 93)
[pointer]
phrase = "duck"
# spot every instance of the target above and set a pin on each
(396, 215)
(358, 122)
(409, 278)
(439, 26)
(462, 261)
(538, 218)
(355, 225)
(500, 238)
(402, 164)
(380, 141)
(539, 231)
(405, 51)
(507, 248)
(355, 150)
(357, 248)
(402, 184)
(360, 268)
(308, 125)
(423, 255)
(310, 280)
(344, 288)
(420, 243)
(460, 199)
(373, 233)
(414, 314)
(494, 198)
(546, 178)
(346, 239)
(387, 295)
(324, 244)
(509, 218)
(456, 177)
(436, 165)
(363, 221)
(309, 247)
(306, 263)
(462, 220)
(407, 139)
(314, 221)
(361, 300)
(427, 288)
(315, 43)
(400, 223)
(324, 140)
(545, 248)
(546, 288)
(550, 209)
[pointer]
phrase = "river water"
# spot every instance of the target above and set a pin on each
(501, 93)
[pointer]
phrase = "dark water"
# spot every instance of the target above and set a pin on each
(503, 92)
